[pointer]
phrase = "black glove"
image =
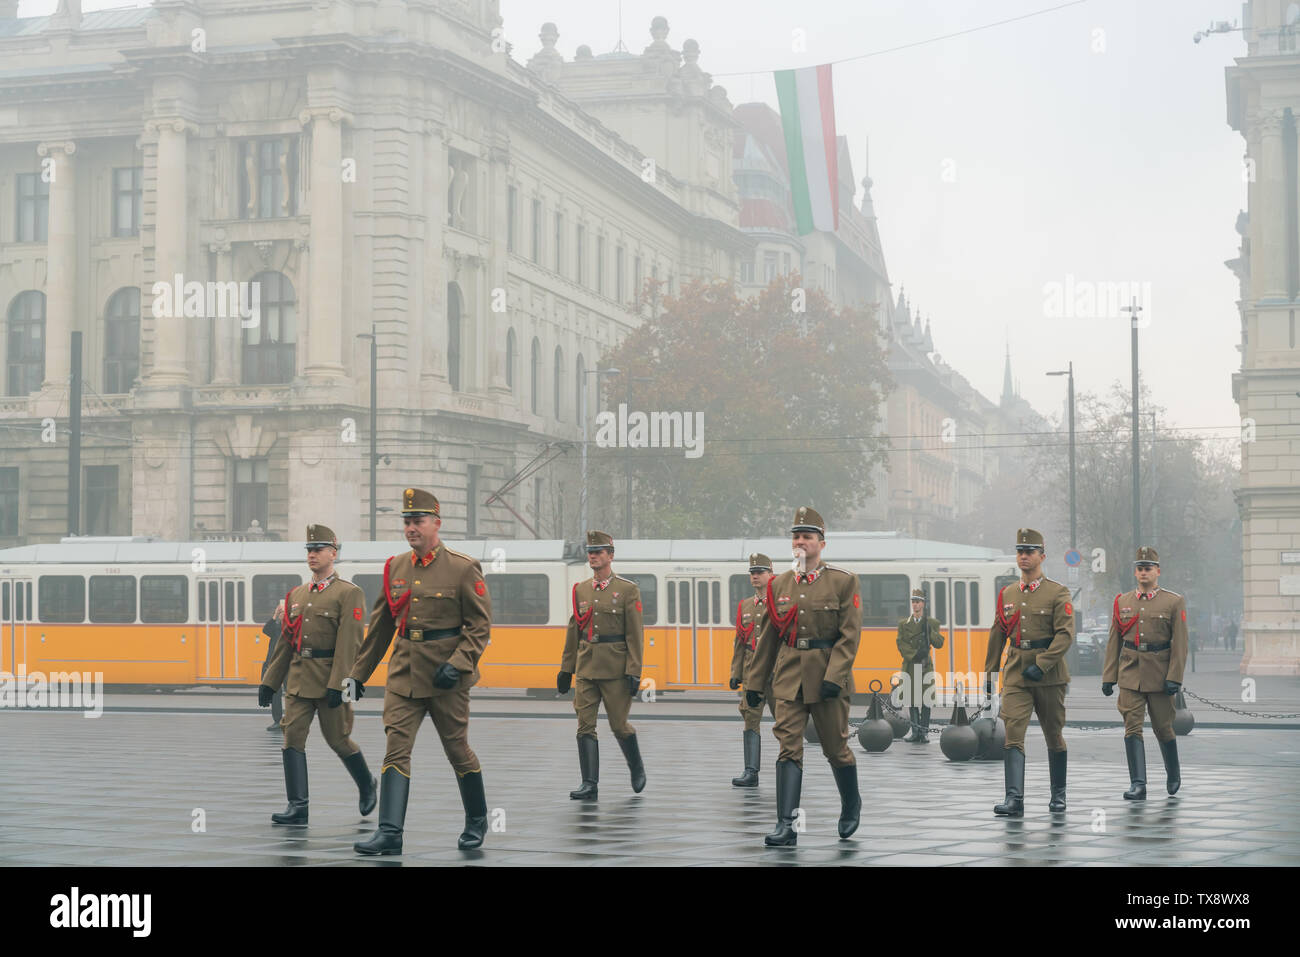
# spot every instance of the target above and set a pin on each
(633, 684)
(990, 684)
(563, 681)
(830, 689)
(1033, 673)
(1108, 688)
(446, 677)
(733, 684)
(264, 696)
(753, 699)
(1171, 687)
(358, 689)
(333, 698)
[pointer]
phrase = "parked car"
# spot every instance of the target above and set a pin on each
(1085, 655)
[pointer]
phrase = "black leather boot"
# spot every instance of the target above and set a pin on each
(846, 779)
(632, 752)
(367, 786)
(589, 762)
(295, 786)
(923, 735)
(1173, 775)
(1136, 752)
(1056, 769)
(395, 788)
(789, 781)
(475, 803)
(1013, 770)
(914, 716)
(753, 747)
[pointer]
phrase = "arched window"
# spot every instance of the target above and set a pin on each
(122, 340)
(558, 385)
(26, 340)
(535, 365)
(453, 336)
(579, 389)
(512, 357)
(270, 347)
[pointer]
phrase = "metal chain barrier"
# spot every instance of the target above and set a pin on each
(1224, 707)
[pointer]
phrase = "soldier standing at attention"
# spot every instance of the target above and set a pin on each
(1035, 617)
(603, 646)
(807, 644)
(916, 635)
(436, 604)
(322, 631)
(1145, 655)
(749, 619)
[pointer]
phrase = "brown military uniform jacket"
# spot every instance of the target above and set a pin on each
(1155, 620)
(331, 621)
(448, 592)
(751, 614)
(913, 643)
(612, 610)
(1024, 616)
(829, 607)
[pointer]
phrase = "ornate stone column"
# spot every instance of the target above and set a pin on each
(324, 325)
(171, 247)
(1270, 254)
(59, 168)
(225, 332)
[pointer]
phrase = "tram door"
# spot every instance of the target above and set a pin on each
(956, 602)
(698, 629)
(15, 612)
(222, 609)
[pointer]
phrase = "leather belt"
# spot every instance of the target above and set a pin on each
(316, 653)
(599, 639)
(1040, 643)
(430, 634)
(1148, 646)
(803, 644)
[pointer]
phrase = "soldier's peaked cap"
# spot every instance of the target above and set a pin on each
(1147, 556)
(318, 535)
(598, 540)
(758, 562)
(918, 595)
(806, 519)
(1029, 536)
(416, 501)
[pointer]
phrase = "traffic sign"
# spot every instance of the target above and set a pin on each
(1072, 557)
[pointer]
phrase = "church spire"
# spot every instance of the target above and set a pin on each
(1008, 393)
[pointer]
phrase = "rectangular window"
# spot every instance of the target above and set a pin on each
(268, 178)
(636, 277)
(769, 266)
(519, 599)
(536, 236)
(32, 208)
(649, 586)
(101, 501)
(941, 602)
(672, 605)
(600, 265)
(164, 599)
(717, 603)
(512, 211)
(959, 603)
(1004, 581)
(471, 501)
(747, 270)
(683, 602)
(619, 279)
(738, 589)
(559, 244)
(251, 492)
(885, 599)
(580, 252)
(785, 263)
(269, 591)
(974, 603)
(127, 195)
(112, 599)
(62, 598)
(9, 501)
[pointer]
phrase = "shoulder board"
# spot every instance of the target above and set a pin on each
(903, 621)
(463, 557)
(836, 568)
(346, 581)
(628, 580)
(1172, 593)
(787, 575)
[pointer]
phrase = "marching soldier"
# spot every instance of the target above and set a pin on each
(435, 603)
(321, 633)
(916, 635)
(749, 619)
(807, 644)
(603, 646)
(1145, 656)
(1035, 619)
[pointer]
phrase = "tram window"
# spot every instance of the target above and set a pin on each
(672, 604)
(649, 586)
(63, 598)
(1004, 581)
(884, 599)
(229, 602)
(974, 603)
(941, 602)
(4, 601)
(717, 603)
(112, 599)
(959, 603)
(203, 601)
(372, 585)
(269, 591)
(702, 602)
(241, 602)
(738, 589)
(684, 603)
(164, 599)
(518, 599)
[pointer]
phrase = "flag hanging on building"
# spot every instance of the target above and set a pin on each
(808, 121)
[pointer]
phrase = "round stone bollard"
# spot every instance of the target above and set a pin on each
(1183, 718)
(900, 724)
(959, 741)
(992, 736)
(875, 734)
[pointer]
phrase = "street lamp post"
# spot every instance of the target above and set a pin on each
(373, 336)
(1133, 309)
(582, 503)
(1074, 528)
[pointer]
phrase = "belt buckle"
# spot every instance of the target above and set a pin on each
(416, 634)
(305, 653)
(801, 644)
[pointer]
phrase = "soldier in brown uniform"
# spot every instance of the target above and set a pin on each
(916, 635)
(322, 631)
(435, 603)
(1035, 619)
(807, 644)
(603, 646)
(749, 620)
(1145, 655)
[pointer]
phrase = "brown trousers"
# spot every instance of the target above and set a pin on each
(830, 717)
(590, 692)
(335, 724)
(450, 713)
(753, 716)
(1133, 705)
(1047, 701)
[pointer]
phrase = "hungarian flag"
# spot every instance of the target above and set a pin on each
(808, 121)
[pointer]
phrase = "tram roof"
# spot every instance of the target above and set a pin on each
(842, 546)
